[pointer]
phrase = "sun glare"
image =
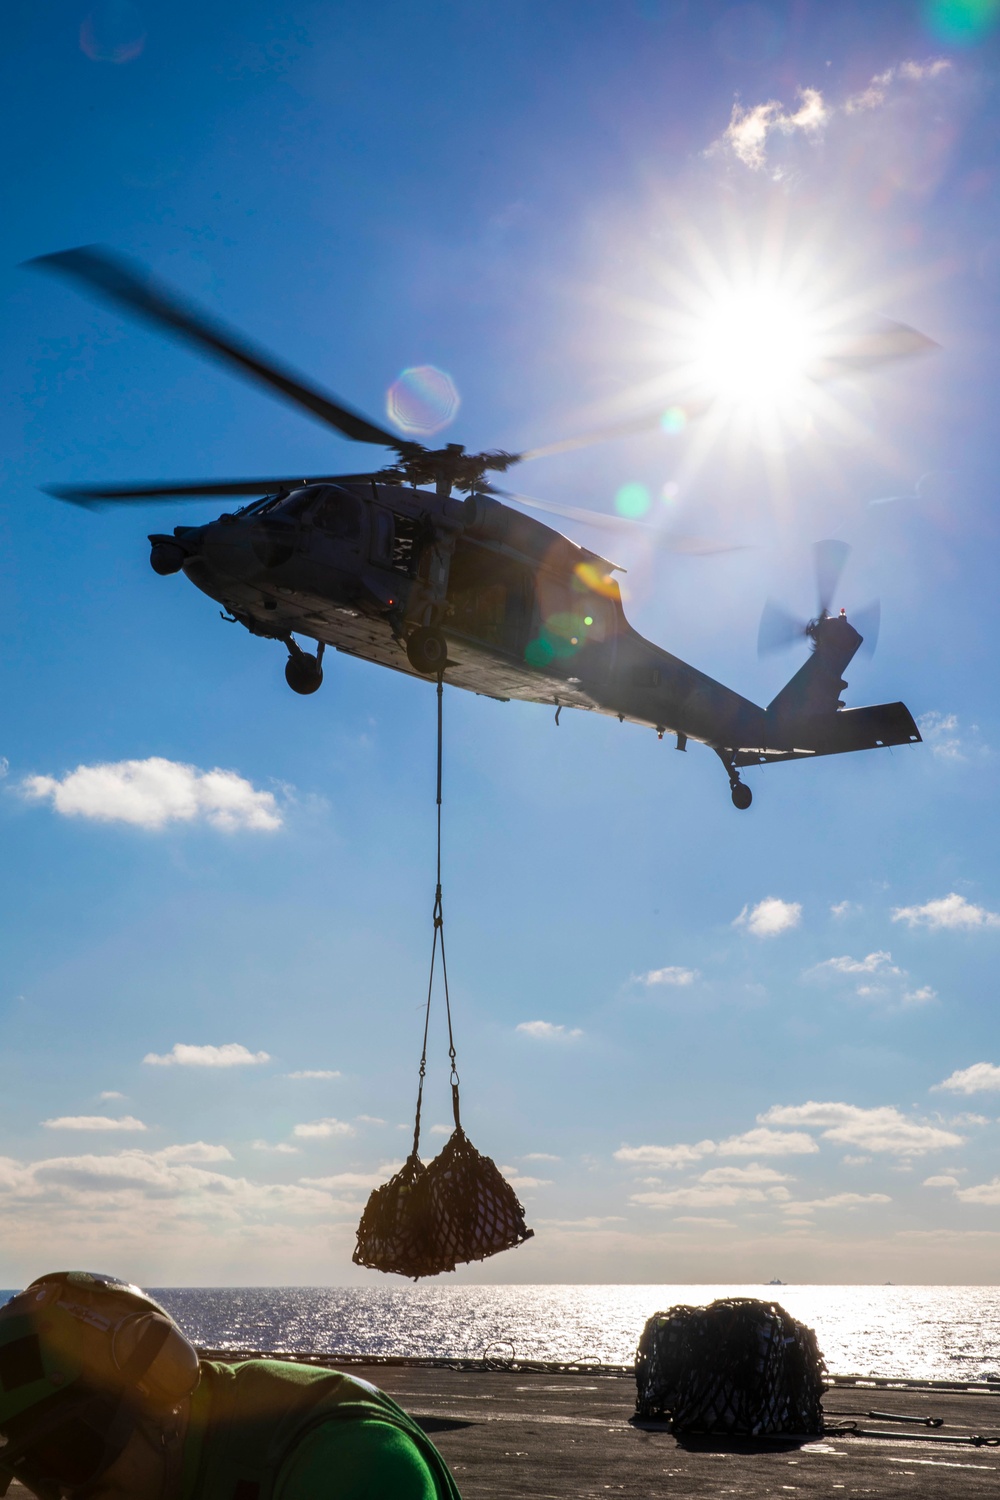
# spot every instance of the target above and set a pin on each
(754, 348)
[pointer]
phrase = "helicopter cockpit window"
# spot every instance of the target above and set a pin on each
(339, 515)
(295, 501)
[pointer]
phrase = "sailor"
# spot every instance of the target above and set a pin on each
(102, 1395)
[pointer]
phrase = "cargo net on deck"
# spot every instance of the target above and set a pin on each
(458, 1208)
(738, 1367)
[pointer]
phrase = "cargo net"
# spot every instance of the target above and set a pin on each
(458, 1208)
(738, 1367)
(391, 1234)
(426, 1220)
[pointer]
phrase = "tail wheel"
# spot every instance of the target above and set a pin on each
(427, 651)
(303, 673)
(742, 796)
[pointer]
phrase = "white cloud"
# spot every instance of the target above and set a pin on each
(882, 1128)
(323, 1129)
(664, 1157)
(110, 1094)
(152, 793)
(371, 1120)
(942, 1180)
(314, 1073)
(592, 1221)
(940, 732)
(547, 1031)
(855, 1161)
(747, 133)
(135, 1181)
(93, 1122)
(748, 129)
(704, 1221)
(770, 917)
(438, 1129)
(765, 1142)
(948, 912)
(980, 1078)
(837, 1200)
(672, 975)
(875, 93)
(194, 1151)
(363, 1181)
(4, 766)
(540, 1156)
(984, 1192)
(709, 1195)
(754, 1173)
(519, 1180)
(229, 1055)
(874, 963)
(281, 1149)
(843, 909)
(922, 996)
(759, 1141)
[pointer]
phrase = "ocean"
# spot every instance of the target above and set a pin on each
(926, 1331)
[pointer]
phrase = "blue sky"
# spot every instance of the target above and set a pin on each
(708, 1045)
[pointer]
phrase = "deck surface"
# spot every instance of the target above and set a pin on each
(569, 1437)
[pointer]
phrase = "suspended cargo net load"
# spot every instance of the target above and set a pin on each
(738, 1367)
(472, 1208)
(391, 1233)
(459, 1207)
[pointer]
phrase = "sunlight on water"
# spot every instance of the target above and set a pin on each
(938, 1332)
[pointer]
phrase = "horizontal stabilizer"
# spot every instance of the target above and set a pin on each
(837, 733)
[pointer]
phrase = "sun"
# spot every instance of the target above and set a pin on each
(753, 347)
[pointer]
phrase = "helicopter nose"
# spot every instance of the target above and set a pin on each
(168, 554)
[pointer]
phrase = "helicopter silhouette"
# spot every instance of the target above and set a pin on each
(392, 566)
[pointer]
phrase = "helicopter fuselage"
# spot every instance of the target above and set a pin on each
(525, 612)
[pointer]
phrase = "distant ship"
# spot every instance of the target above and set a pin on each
(776, 1281)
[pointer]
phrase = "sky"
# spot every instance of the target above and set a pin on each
(704, 1045)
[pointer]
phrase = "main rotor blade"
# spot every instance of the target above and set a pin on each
(93, 496)
(866, 348)
(689, 411)
(778, 629)
(866, 622)
(692, 546)
(830, 559)
(127, 285)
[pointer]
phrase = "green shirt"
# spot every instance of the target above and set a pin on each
(271, 1430)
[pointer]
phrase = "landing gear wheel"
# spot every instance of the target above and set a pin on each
(427, 651)
(303, 673)
(742, 796)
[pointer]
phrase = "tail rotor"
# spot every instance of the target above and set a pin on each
(779, 628)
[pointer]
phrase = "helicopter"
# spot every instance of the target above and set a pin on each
(393, 566)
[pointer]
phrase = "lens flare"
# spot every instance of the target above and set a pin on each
(674, 420)
(632, 501)
(670, 492)
(113, 32)
(422, 400)
(961, 22)
(595, 580)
